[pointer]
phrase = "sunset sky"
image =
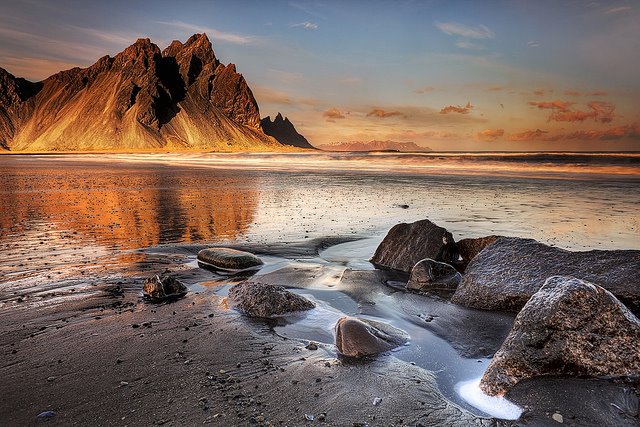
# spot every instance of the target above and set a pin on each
(451, 75)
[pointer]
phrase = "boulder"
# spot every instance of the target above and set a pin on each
(229, 259)
(158, 288)
(263, 300)
(429, 275)
(406, 244)
(569, 327)
(357, 337)
(469, 248)
(508, 272)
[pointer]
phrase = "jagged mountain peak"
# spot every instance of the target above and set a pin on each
(284, 131)
(143, 98)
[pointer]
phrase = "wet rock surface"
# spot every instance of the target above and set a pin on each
(569, 327)
(356, 337)
(433, 276)
(159, 288)
(470, 248)
(406, 244)
(508, 272)
(229, 259)
(265, 300)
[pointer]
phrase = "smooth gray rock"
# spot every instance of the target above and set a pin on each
(264, 300)
(406, 244)
(229, 259)
(433, 276)
(161, 288)
(508, 272)
(357, 337)
(569, 327)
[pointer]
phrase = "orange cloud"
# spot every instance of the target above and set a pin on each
(379, 112)
(333, 114)
(538, 92)
(553, 105)
(457, 109)
(529, 135)
(572, 93)
(598, 93)
(599, 111)
(490, 135)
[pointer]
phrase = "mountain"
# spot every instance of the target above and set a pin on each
(373, 146)
(284, 131)
(140, 99)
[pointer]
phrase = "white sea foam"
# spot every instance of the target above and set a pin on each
(498, 407)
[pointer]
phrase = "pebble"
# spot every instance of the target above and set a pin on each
(309, 417)
(311, 346)
(51, 379)
(377, 401)
(46, 414)
(557, 418)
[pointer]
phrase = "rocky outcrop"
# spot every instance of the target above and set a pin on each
(229, 259)
(264, 300)
(508, 272)
(469, 248)
(357, 337)
(433, 276)
(569, 327)
(406, 244)
(141, 99)
(284, 131)
(159, 288)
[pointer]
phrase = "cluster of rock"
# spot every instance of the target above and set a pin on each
(161, 288)
(572, 315)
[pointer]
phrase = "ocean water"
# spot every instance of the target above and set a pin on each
(67, 221)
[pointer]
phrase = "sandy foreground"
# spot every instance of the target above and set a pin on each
(107, 357)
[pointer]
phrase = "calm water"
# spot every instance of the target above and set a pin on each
(69, 221)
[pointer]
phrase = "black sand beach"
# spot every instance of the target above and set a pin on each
(80, 236)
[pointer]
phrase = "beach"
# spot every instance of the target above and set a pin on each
(80, 233)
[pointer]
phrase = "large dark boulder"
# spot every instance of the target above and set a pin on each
(357, 337)
(569, 327)
(264, 300)
(433, 276)
(229, 259)
(470, 248)
(508, 272)
(406, 244)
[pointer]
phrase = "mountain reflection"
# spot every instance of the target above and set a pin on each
(126, 207)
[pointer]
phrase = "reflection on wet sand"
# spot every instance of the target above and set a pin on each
(56, 217)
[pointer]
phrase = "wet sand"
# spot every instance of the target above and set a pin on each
(78, 239)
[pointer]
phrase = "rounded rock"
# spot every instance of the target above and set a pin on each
(229, 259)
(356, 337)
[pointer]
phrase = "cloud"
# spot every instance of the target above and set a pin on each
(457, 109)
(599, 111)
(529, 135)
(267, 95)
(553, 105)
(572, 93)
(457, 29)
(34, 68)
(629, 131)
(306, 25)
(425, 89)
(285, 76)
(533, 43)
(217, 35)
(619, 9)
(598, 93)
(490, 135)
(539, 92)
(379, 112)
(333, 114)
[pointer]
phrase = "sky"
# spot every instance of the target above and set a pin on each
(449, 75)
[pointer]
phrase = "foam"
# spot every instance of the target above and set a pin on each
(498, 407)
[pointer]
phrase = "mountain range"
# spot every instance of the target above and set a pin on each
(180, 98)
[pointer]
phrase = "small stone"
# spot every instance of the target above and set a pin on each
(51, 379)
(377, 401)
(309, 417)
(322, 416)
(123, 384)
(46, 414)
(311, 346)
(557, 418)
